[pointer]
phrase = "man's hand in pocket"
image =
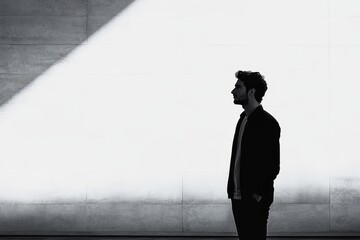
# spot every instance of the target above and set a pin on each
(257, 197)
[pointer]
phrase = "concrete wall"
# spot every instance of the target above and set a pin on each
(296, 45)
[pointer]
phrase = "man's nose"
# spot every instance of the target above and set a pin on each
(232, 91)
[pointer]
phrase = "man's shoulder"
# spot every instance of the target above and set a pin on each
(268, 119)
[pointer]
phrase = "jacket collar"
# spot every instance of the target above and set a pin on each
(254, 113)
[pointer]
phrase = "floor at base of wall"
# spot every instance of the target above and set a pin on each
(159, 238)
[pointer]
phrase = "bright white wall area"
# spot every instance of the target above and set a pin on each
(142, 110)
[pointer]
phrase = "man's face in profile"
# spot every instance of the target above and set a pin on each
(239, 93)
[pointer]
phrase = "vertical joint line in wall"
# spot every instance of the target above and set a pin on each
(329, 68)
(329, 35)
(87, 20)
(182, 200)
(183, 77)
(87, 172)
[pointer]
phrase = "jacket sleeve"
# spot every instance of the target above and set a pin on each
(268, 157)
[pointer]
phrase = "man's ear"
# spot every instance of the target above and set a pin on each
(252, 91)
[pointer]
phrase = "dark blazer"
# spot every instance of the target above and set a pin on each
(260, 155)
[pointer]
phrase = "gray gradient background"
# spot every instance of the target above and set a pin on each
(311, 48)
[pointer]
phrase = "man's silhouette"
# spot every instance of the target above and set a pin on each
(255, 158)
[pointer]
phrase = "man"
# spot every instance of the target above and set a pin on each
(255, 158)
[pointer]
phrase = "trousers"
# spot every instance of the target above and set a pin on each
(251, 218)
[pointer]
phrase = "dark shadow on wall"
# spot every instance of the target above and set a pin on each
(36, 34)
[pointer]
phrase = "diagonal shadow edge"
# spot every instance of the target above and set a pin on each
(27, 56)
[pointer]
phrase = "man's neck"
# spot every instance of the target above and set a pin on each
(250, 107)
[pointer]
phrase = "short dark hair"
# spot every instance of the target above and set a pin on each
(253, 80)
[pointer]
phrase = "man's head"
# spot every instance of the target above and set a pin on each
(250, 86)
